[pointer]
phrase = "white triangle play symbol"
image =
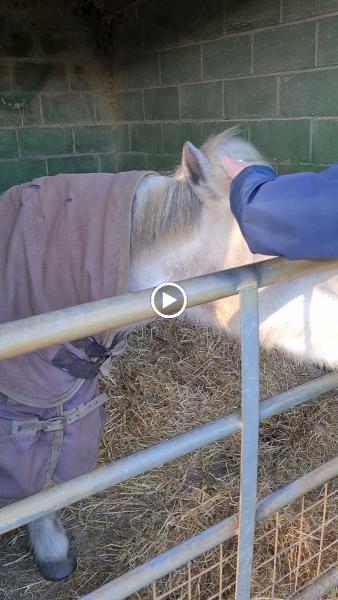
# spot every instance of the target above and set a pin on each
(167, 300)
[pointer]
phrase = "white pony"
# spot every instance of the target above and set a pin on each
(182, 226)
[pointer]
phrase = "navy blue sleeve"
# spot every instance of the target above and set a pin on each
(295, 216)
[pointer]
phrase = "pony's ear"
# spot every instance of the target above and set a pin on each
(195, 165)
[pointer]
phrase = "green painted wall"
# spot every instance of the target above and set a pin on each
(55, 96)
(188, 68)
(176, 70)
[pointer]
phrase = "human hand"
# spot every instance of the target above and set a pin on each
(233, 167)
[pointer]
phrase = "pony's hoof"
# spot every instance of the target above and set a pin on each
(59, 569)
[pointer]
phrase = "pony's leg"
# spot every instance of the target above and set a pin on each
(50, 546)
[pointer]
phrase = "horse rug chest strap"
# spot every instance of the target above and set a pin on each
(96, 354)
(32, 426)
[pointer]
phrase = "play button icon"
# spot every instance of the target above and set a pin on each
(169, 300)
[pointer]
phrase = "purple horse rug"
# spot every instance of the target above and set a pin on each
(64, 240)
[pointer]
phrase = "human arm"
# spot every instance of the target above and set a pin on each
(289, 215)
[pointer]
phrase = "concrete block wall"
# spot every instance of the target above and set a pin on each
(188, 68)
(177, 71)
(56, 110)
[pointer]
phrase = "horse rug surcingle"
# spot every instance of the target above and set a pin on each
(64, 240)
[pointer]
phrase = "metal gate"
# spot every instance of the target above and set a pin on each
(37, 332)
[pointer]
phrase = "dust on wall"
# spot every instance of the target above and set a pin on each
(111, 84)
(56, 92)
(188, 68)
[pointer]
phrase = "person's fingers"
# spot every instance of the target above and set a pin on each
(233, 167)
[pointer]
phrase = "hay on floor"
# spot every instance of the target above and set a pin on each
(175, 377)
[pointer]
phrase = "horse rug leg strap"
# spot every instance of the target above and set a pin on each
(68, 417)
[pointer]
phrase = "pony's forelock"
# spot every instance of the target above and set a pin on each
(230, 143)
(167, 205)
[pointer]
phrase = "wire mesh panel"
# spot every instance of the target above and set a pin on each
(292, 549)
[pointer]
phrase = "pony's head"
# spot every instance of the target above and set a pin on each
(182, 223)
(168, 207)
(203, 169)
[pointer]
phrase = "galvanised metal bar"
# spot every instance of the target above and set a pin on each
(163, 564)
(319, 588)
(41, 331)
(24, 511)
(249, 440)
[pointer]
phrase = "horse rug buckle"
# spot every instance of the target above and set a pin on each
(53, 424)
(33, 426)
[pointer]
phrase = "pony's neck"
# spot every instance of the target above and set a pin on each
(163, 207)
(171, 241)
(166, 216)
(182, 254)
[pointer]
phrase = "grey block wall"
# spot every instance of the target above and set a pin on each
(175, 71)
(186, 69)
(56, 103)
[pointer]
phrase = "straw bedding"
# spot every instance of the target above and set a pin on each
(174, 377)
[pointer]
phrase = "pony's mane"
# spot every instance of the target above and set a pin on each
(229, 142)
(166, 204)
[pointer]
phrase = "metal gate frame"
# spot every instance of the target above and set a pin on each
(27, 335)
